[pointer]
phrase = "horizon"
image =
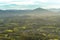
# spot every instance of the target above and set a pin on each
(31, 9)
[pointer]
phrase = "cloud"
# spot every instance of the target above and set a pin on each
(18, 4)
(51, 6)
(42, 1)
(18, 7)
(6, 0)
(54, 1)
(23, 2)
(29, 4)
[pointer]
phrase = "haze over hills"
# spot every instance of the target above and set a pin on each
(54, 10)
(6, 13)
(40, 10)
(24, 12)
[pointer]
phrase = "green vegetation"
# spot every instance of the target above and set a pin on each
(30, 28)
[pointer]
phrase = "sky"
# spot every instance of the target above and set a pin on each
(29, 4)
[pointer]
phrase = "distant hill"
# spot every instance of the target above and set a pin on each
(6, 13)
(54, 10)
(40, 10)
(37, 11)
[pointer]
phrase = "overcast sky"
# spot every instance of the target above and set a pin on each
(29, 4)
